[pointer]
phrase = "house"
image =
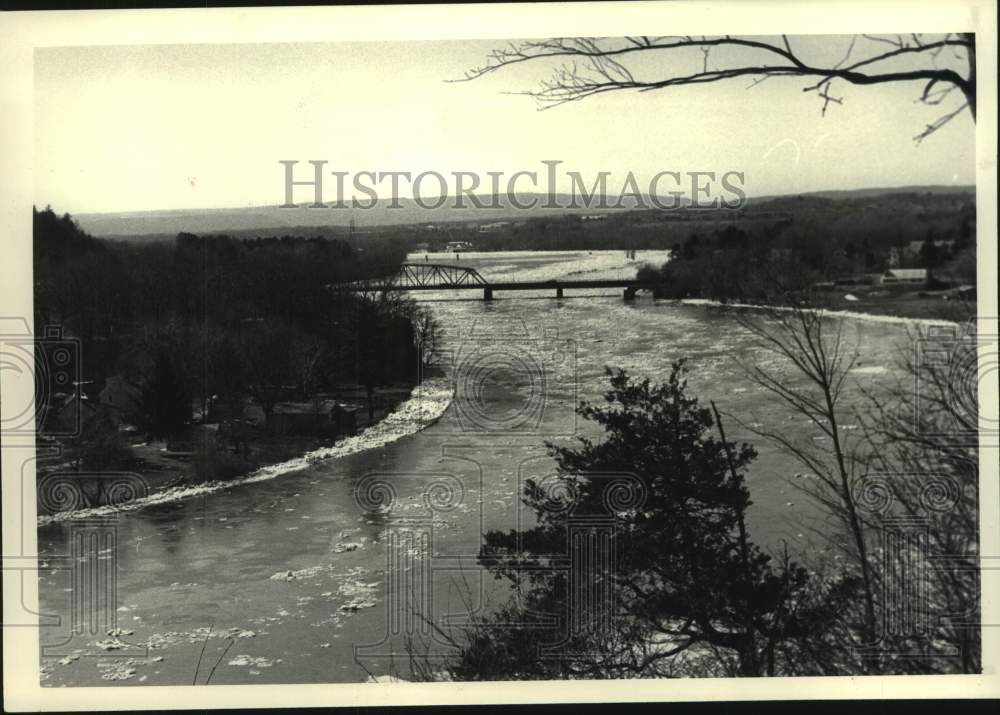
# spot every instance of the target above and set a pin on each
(914, 276)
(320, 416)
(493, 227)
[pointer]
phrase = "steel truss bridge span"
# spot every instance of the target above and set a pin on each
(436, 276)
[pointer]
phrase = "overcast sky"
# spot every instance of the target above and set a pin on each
(203, 126)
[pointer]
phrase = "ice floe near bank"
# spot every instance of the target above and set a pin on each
(426, 404)
(853, 315)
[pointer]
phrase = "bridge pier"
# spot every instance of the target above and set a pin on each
(487, 294)
(630, 292)
(559, 292)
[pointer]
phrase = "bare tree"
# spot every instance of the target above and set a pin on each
(305, 354)
(590, 66)
(923, 436)
(814, 348)
(914, 460)
(278, 357)
(381, 320)
(426, 335)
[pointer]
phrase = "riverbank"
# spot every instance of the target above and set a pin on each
(900, 302)
(852, 312)
(896, 306)
(423, 406)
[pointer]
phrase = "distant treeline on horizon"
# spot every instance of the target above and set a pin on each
(272, 220)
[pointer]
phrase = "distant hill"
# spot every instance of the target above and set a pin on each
(139, 223)
(869, 193)
(272, 219)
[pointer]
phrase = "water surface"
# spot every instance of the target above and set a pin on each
(315, 575)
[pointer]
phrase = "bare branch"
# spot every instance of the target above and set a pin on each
(938, 123)
(887, 40)
(593, 66)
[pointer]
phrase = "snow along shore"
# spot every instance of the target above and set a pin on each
(849, 314)
(424, 407)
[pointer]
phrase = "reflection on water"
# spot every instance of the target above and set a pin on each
(287, 580)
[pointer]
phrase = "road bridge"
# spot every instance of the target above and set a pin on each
(432, 276)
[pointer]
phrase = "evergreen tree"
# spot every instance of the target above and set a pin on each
(165, 405)
(686, 576)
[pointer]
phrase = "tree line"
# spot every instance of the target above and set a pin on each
(216, 318)
(745, 263)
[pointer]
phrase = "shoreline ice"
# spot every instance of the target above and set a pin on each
(853, 315)
(426, 404)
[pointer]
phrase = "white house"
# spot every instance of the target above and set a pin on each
(916, 276)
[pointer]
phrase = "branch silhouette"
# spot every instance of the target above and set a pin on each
(592, 66)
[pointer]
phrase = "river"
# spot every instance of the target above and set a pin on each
(314, 575)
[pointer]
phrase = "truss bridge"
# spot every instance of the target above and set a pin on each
(436, 276)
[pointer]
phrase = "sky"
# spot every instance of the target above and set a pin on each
(156, 127)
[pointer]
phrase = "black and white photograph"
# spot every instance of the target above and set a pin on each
(412, 353)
